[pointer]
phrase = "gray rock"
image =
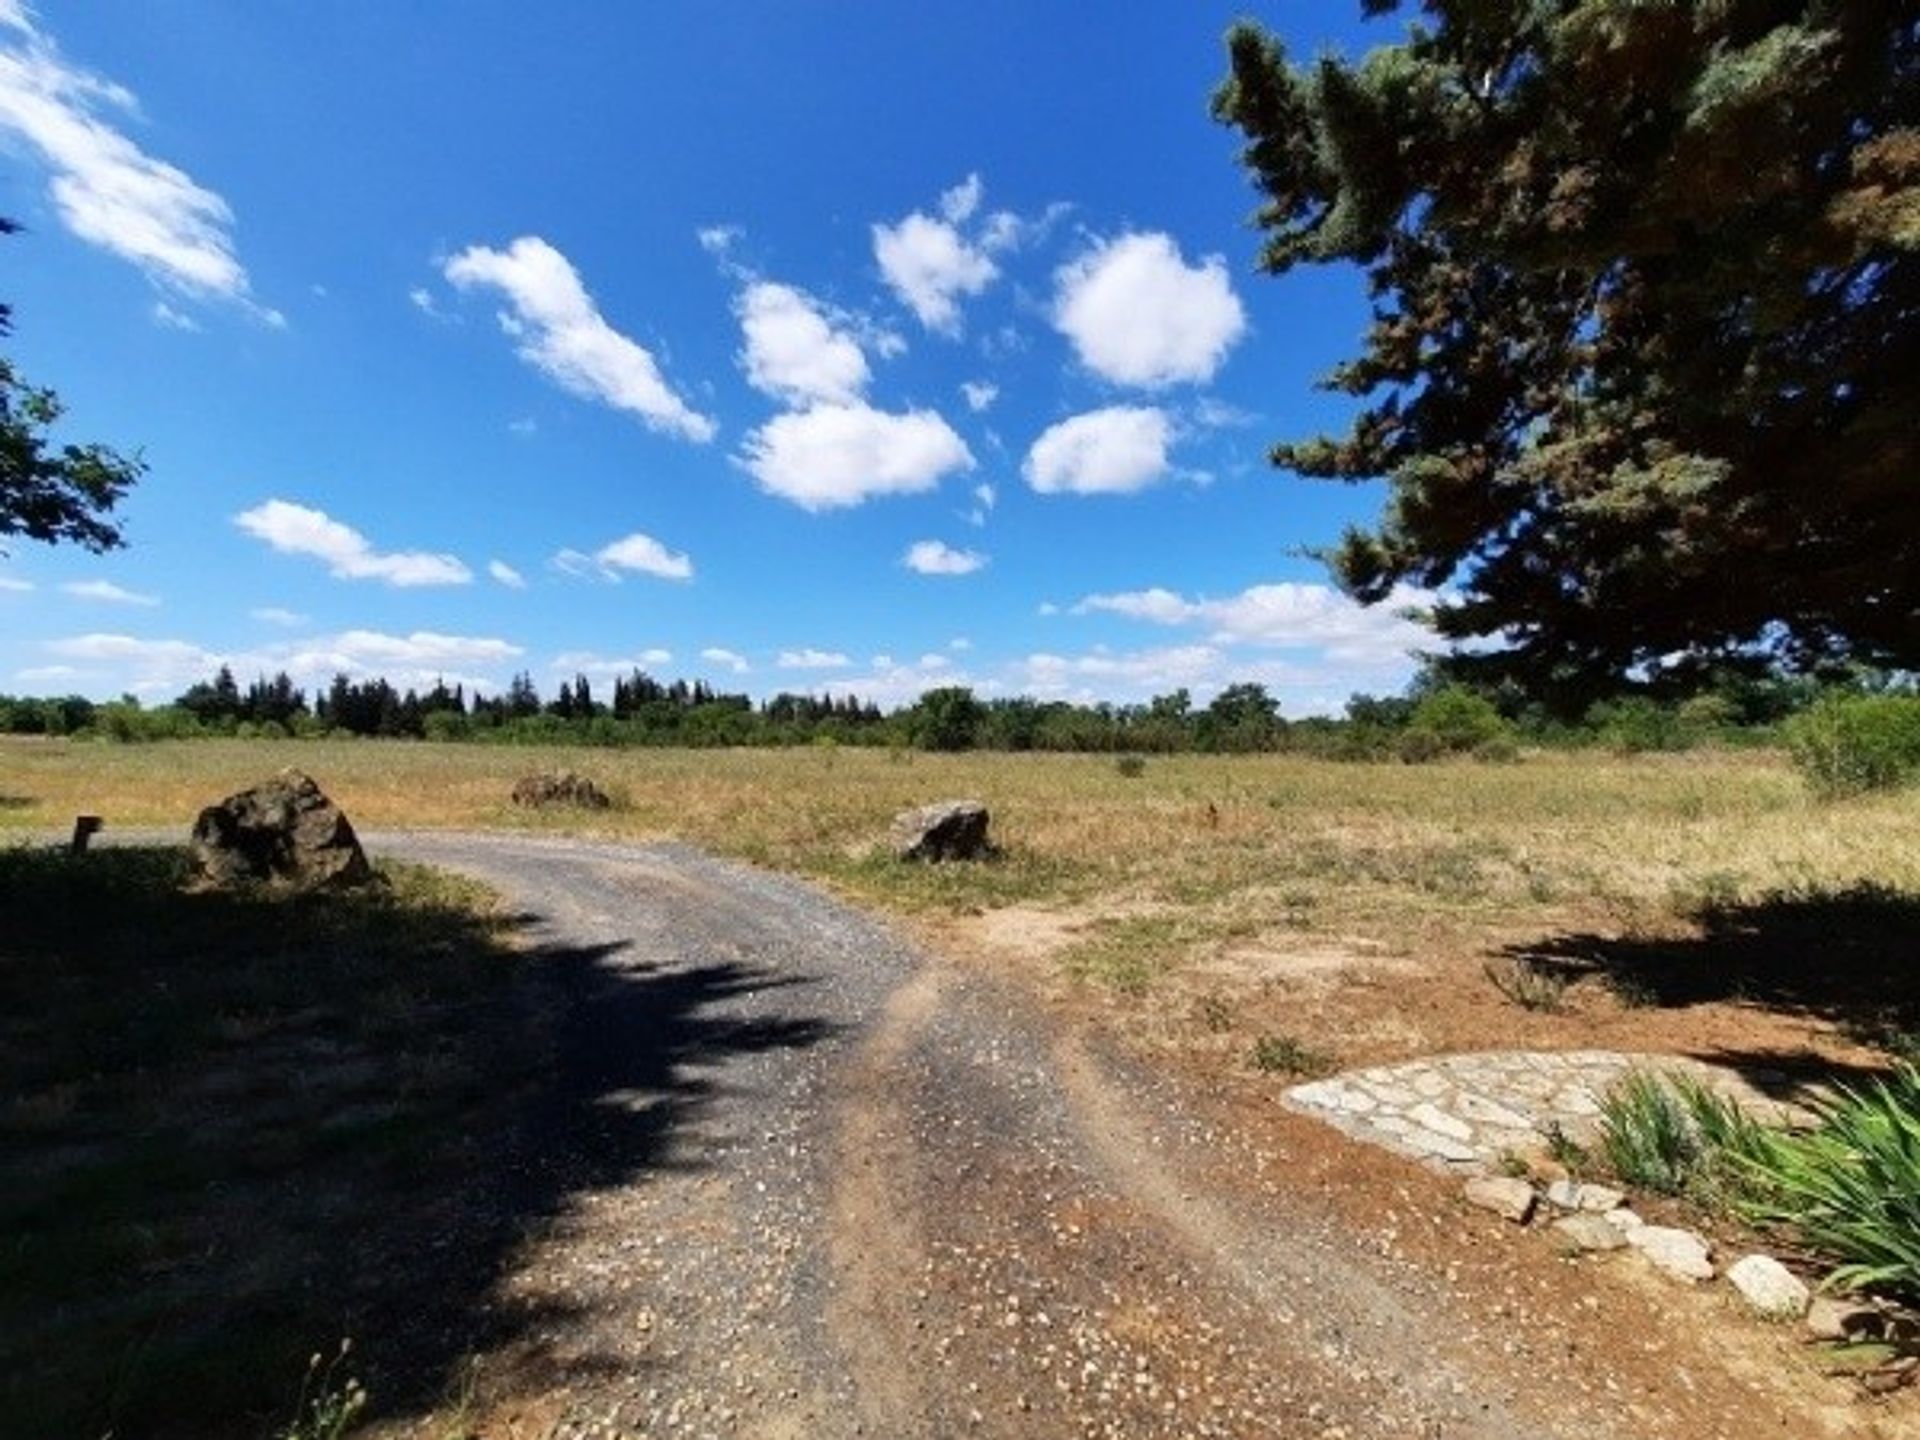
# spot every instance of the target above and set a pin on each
(1679, 1253)
(559, 787)
(284, 831)
(1599, 1199)
(1624, 1219)
(1510, 1198)
(1564, 1195)
(1586, 1231)
(950, 830)
(1769, 1287)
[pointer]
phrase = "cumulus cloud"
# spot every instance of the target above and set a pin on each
(1137, 314)
(637, 553)
(1285, 616)
(1115, 451)
(731, 660)
(609, 667)
(166, 666)
(811, 659)
(935, 557)
(561, 332)
(107, 591)
(105, 188)
(833, 455)
(506, 575)
(930, 264)
(349, 555)
(792, 350)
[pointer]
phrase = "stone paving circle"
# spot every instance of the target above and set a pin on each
(1465, 1113)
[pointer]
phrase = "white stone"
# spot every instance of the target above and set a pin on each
(1586, 1231)
(1321, 1094)
(1437, 1120)
(1358, 1102)
(1624, 1219)
(1679, 1253)
(1510, 1198)
(1600, 1199)
(1769, 1287)
(1482, 1111)
(1439, 1147)
(1564, 1195)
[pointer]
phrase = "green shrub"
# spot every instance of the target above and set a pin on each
(1500, 750)
(1851, 744)
(1288, 1055)
(1131, 766)
(1850, 1188)
(1528, 984)
(1458, 718)
(1646, 1136)
(1417, 747)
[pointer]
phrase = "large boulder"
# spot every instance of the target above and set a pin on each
(285, 831)
(559, 787)
(950, 830)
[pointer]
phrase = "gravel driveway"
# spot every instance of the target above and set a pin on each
(821, 1185)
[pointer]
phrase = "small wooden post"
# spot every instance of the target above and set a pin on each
(85, 827)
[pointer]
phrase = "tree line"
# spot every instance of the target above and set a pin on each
(1435, 717)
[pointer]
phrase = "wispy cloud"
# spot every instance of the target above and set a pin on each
(560, 331)
(506, 575)
(811, 659)
(276, 615)
(106, 189)
(349, 555)
(637, 553)
(1285, 616)
(108, 592)
(728, 659)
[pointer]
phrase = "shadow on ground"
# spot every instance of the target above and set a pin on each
(1847, 957)
(235, 1129)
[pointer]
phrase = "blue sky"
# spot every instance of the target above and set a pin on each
(841, 346)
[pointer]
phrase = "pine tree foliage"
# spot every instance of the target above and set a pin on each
(1643, 373)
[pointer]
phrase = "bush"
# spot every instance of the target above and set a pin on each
(1417, 747)
(1131, 766)
(1458, 718)
(1852, 744)
(1850, 1189)
(1646, 1136)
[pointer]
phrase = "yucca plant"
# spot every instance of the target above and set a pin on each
(1646, 1135)
(1850, 1188)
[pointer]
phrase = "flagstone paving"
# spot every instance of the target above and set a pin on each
(1465, 1113)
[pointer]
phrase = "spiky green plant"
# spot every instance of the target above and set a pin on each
(1850, 1187)
(1646, 1135)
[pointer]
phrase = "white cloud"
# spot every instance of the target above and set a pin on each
(561, 333)
(718, 239)
(935, 557)
(1137, 314)
(643, 555)
(979, 394)
(608, 667)
(349, 555)
(835, 455)
(506, 575)
(1115, 451)
(168, 318)
(930, 265)
(715, 655)
(1286, 616)
(35, 674)
(792, 352)
(275, 615)
(960, 642)
(811, 659)
(422, 300)
(107, 190)
(526, 425)
(416, 660)
(18, 587)
(106, 590)
(1047, 607)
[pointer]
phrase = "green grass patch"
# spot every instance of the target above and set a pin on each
(217, 1114)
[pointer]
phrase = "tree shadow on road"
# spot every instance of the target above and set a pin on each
(236, 1128)
(1846, 957)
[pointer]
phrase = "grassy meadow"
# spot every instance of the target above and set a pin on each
(1374, 897)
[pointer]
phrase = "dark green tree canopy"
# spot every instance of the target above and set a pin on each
(51, 492)
(1644, 367)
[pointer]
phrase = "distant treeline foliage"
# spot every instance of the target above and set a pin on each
(1434, 719)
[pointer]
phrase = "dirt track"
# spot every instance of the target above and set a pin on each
(890, 1194)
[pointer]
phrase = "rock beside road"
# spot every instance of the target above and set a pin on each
(950, 830)
(1509, 1198)
(282, 831)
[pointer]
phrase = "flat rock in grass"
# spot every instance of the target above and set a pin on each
(1574, 1195)
(1679, 1253)
(1585, 1231)
(1510, 1198)
(1769, 1287)
(949, 830)
(283, 831)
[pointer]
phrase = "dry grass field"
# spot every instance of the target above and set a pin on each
(1701, 902)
